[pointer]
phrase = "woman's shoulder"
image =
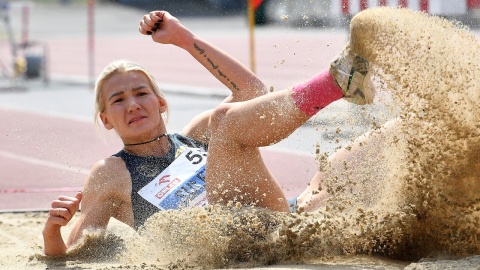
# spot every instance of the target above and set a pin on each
(109, 164)
(109, 171)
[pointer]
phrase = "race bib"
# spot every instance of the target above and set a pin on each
(182, 184)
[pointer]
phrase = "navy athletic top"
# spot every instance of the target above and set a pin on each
(144, 169)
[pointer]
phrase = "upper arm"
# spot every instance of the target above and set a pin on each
(105, 193)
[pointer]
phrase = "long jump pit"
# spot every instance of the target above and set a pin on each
(414, 205)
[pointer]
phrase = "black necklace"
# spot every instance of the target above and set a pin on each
(156, 139)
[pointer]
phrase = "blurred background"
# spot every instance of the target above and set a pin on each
(311, 12)
(35, 36)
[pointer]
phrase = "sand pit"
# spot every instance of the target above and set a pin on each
(21, 249)
(416, 199)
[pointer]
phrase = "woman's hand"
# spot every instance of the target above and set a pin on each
(63, 209)
(163, 27)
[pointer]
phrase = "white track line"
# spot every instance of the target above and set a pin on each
(40, 190)
(40, 162)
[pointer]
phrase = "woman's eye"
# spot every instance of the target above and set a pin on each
(118, 100)
(142, 94)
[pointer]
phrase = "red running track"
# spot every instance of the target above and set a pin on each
(43, 157)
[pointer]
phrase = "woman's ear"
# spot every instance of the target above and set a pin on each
(105, 121)
(163, 104)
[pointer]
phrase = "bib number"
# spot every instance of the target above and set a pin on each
(181, 184)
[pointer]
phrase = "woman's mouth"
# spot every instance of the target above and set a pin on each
(136, 119)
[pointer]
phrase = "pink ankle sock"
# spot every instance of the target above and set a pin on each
(316, 93)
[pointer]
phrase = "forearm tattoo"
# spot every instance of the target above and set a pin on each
(215, 67)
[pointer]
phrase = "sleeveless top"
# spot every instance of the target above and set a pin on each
(145, 169)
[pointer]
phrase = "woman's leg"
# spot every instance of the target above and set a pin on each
(235, 169)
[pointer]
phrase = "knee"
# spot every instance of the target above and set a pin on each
(221, 121)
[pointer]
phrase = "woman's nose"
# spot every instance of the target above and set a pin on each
(133, 105)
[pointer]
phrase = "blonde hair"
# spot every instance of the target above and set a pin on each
(115, 68)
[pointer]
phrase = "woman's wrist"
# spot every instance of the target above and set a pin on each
(50, 230)
(183, 38)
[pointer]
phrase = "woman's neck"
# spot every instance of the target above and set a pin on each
(157, 146)
(146, 142)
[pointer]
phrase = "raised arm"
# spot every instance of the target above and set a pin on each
(166, 29)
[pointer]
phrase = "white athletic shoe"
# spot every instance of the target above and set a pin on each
(349, 72)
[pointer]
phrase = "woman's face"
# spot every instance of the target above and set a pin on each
(132, 108)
